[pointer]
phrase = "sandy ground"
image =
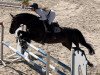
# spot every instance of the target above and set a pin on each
(81, 14)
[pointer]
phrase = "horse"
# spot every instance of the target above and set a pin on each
(35, 31)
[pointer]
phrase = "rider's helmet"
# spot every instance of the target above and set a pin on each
(34, 5)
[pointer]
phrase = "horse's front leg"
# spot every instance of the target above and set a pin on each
(23, 39)
(24, 46)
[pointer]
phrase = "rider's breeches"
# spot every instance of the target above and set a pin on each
(51, 17)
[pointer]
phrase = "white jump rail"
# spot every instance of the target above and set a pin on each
(35, 56)
(75, 64)
(77, 60)
(44, 62)
(25, 57)
(45, 54)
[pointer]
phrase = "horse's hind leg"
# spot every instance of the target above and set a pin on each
(88, 62)
(77, 46)
(76, 42)
(68, 45)
(84, 43)
(88, 46)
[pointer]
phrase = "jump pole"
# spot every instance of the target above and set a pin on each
(45, 54)
(25, 57)
(46, 63)
(77, 60)
(73, 72)
(2, 38)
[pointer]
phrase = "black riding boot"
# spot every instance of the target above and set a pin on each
(48, 27)
(45, 23)
(51, 28)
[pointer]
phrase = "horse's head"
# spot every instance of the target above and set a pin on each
(14, 25)
(23, 18)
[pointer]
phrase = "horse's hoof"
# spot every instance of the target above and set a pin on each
(83, 53)
(91, 53)
(90, 64)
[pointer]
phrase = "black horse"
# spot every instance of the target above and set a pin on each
(35, 31)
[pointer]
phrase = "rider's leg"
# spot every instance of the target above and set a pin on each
(48, 27)
(45, 23)
(51, 17)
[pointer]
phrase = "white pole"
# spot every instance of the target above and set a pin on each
(78, 60)
(2, 37)
(72, 60)
(48, 62)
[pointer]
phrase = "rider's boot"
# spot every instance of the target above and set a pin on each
(51, 28)
(48, 27)
(45, 23)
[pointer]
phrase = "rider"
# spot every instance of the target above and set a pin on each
(47, 16)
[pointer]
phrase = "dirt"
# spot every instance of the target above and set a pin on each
(81, 14)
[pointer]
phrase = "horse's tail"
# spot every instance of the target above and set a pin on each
(84, 43)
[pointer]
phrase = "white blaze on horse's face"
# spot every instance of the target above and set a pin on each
(16, 32)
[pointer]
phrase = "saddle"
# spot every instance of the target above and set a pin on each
(53, 28)
(56, 28)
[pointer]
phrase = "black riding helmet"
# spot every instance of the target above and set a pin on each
(34, 5)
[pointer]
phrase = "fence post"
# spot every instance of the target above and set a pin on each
(2, 32)
(48, 62)
(78, 61)
(72, 60)
(2, 36)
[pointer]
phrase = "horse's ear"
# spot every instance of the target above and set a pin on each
(11, 15)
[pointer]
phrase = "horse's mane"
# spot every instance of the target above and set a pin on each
(26, 14)
(23, 16)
